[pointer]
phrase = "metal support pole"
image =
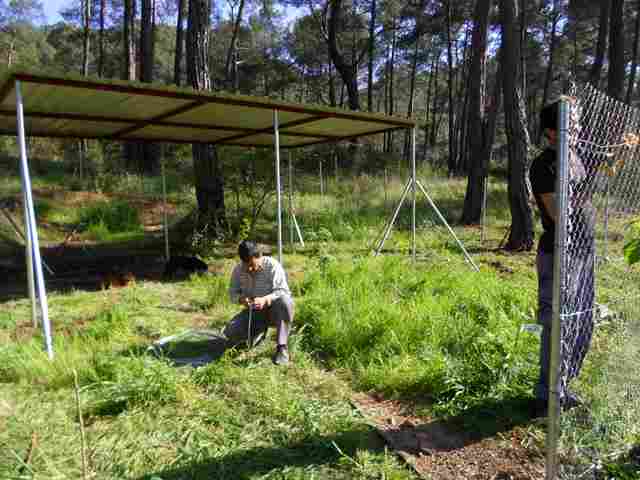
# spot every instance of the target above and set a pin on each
(29, 258)
(413, 194)
(31, 231)
(562, 192)
(276, 129)
(446, 224)
(165, 217)
(291, 214)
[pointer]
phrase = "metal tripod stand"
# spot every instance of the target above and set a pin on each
(412, 185)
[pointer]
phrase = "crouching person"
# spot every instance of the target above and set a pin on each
(259, 284)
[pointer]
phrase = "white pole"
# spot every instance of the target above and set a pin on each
(291, 214)
(278, 189)
(167, 253)
(32, 232)
(29, 259)
(413, 193)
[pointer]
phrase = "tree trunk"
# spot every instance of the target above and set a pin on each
(130, 149)
(149, 154)
(347, 72)
(601, 47)
(372, 31)
(391, 81)
(101, 39)
(634, 58)
(209, 181)
(147, 23)
(86, 18)
(521, 235)
(552, 49)
(412, 90)
(434, 128)
(452, 160)
(427, 108)
(475, 184)
(177, 66)
(615, 84)
(232, 47)
(332, 86)
(129, 64)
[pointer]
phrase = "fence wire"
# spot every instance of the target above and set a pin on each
(600, 293)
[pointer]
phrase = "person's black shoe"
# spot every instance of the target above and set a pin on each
(281, 356)
(538, 408)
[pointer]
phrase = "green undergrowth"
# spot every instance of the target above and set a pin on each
(447, 335)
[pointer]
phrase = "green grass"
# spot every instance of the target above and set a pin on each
(443, 340)
(442, 334)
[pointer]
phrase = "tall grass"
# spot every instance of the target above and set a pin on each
(444, 334)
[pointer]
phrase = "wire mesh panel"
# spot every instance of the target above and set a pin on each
(599, 293)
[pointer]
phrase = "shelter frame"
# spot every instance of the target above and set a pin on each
(173, 115)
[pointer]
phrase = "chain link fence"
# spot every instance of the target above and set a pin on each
(597, 300)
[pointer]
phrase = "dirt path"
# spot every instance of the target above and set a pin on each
(438, 450)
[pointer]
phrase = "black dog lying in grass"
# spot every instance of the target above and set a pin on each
(182, 266)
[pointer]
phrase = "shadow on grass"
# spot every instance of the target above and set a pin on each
(313, 451)
(484, 420)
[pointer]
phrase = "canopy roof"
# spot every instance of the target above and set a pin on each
(80, 107)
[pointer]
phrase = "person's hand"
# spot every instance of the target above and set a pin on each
(246, 301)
(259, 303)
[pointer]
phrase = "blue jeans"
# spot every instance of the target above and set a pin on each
(577, 323)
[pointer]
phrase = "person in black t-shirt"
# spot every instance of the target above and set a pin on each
(577, 301)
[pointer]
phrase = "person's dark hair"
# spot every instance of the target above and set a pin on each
(549, 116)
(247, 250)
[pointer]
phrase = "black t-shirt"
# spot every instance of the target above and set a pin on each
(543, 180)
(581, 215)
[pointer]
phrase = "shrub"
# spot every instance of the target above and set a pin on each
(112, 217)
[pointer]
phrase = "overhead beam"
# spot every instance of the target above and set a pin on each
(270, 129)
(145, 123)
(160, 123)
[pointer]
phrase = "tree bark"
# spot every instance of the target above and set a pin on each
(86, 17)
(177, 66)
(391, 82)
(634, 58)
(601, 47)
(552, 49)
(615, 84)
(101, 39)
(129, 64)
(434, 111)
(372, 31)
(130, 149)
(149, 153)
(147, 24)
(412, 90)
(521, 235)
(209, 181)
(232, 47)
(347, 72)
(472, 210)
(452, 160)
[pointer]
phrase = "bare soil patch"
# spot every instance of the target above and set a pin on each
(440, 450)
